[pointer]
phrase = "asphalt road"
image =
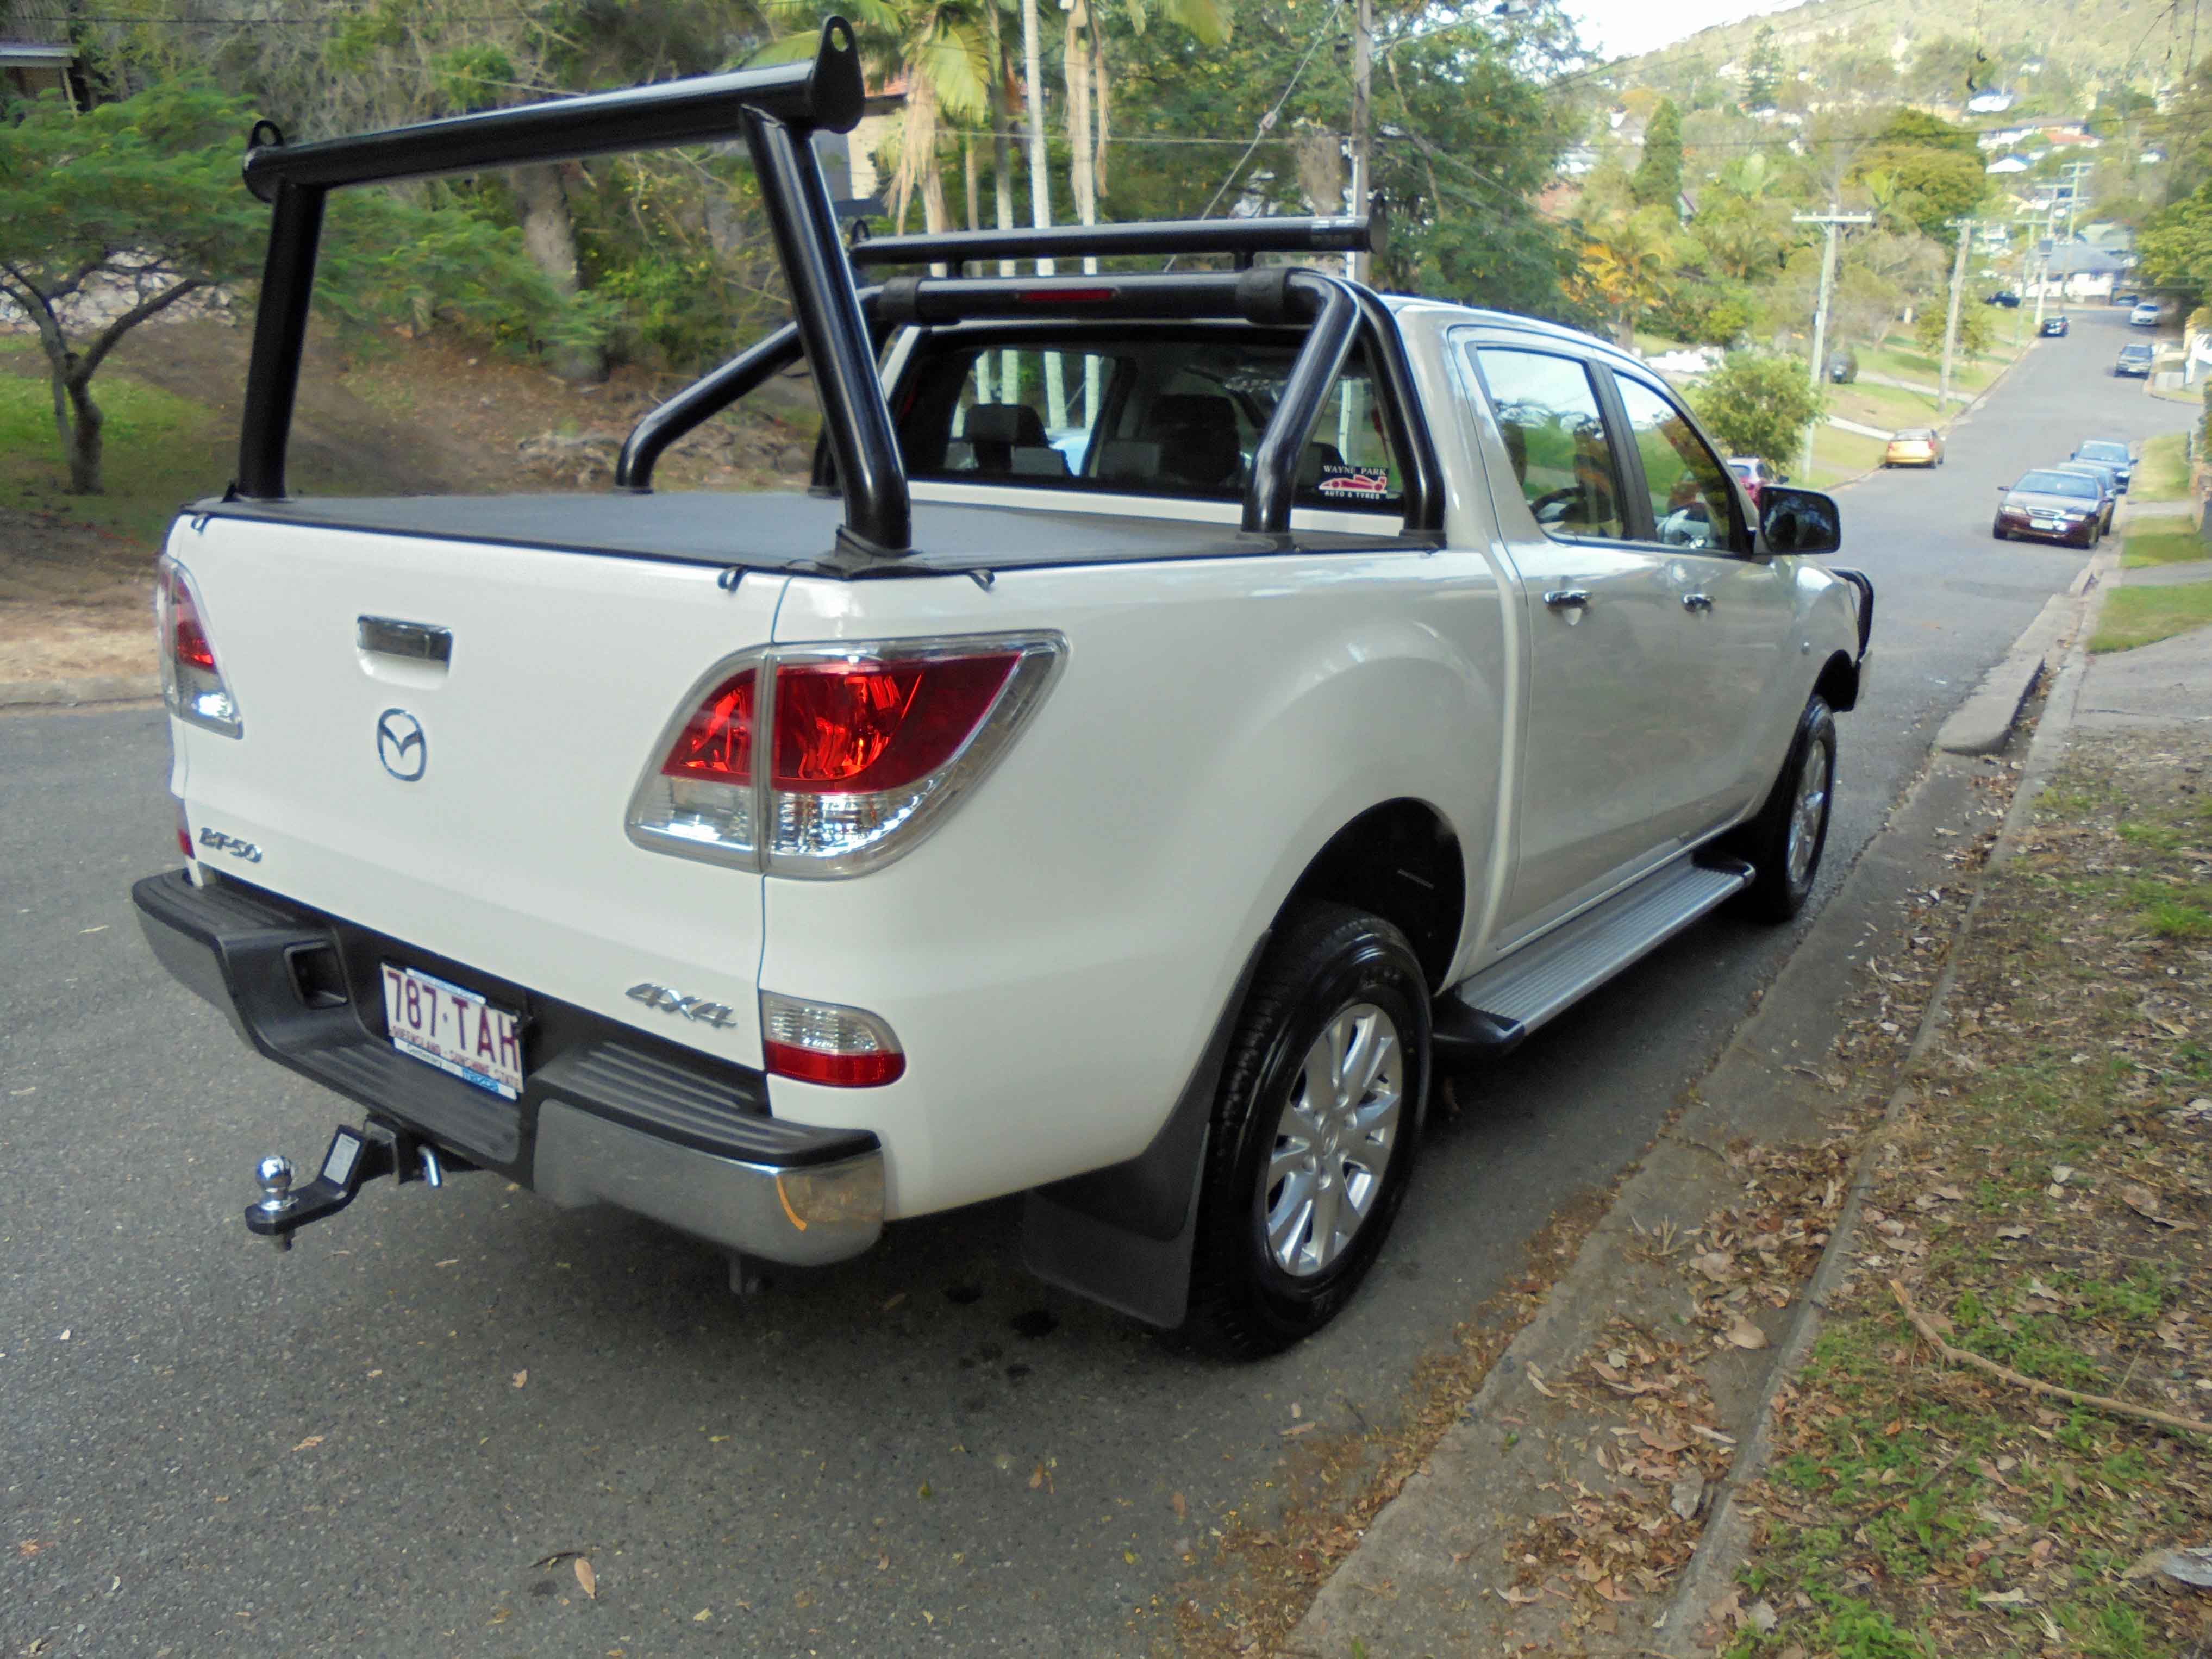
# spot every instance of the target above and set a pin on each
(365, 1446)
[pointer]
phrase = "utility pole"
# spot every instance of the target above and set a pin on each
(2043, 261)
(1831, 221)
(1363, 76)
(1965, 228)
(2074, 172)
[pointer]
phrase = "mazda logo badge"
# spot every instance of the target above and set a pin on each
(401, 744)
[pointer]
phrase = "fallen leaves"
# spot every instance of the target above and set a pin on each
(522, 1379)
(2146, 1204)
(309, 1443)
(1742, 1334)
(586, 1580)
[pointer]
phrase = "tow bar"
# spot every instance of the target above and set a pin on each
(355, 1156)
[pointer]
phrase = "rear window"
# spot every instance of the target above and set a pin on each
(1134, 412)
(2098, 450)
(2057, 483)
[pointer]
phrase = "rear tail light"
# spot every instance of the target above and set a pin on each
(832, 761)
(823, 1042)
(184, 833)
(192, 684)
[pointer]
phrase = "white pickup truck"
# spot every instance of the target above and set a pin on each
(1189, 707)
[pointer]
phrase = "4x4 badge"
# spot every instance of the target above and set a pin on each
(716, 1014)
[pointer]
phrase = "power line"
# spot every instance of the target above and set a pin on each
(1267, 121)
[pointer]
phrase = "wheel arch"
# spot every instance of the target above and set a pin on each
(1838, 684)
(1401, 860)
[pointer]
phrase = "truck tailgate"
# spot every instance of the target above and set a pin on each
(509, 851)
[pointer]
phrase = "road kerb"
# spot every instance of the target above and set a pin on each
(70, 693)
(1983, 723)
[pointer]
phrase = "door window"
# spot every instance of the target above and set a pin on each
(1555, 436)
(1691, 501)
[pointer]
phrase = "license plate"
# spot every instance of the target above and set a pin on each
(2045, 524)
(454, 1029)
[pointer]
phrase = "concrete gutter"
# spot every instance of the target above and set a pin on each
(77, 693)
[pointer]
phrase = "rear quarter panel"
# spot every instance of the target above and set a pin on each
(1054, 957)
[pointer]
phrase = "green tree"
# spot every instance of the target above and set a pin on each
(1759, 404)
(1763, 70)
(1976, 331)
(1657, 181)
(110, 218)
(2177, 246)
(1930, 173)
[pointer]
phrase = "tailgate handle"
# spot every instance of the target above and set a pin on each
(416, 642)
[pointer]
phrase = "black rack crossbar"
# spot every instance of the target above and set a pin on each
(824, 93)
(1241, 239)
(772, 109)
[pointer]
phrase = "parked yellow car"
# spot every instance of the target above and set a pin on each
(1914, 447)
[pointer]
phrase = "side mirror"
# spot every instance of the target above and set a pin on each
(1800, 521)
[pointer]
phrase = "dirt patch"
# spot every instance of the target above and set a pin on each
(1258, 1573)
(2046, 1204)
(74, 600)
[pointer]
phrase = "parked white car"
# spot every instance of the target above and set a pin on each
(1137, 834)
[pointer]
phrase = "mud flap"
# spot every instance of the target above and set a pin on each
(1123, 1235)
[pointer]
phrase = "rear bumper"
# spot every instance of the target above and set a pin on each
(607, 1115)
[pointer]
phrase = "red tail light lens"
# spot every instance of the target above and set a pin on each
(859, 728)
(192, 684)
(831, 761)
(827, 1042)
(716, 743)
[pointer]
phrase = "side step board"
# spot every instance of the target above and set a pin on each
(1490, 1013)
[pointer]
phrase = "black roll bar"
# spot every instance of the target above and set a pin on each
(704, 398)
(1334, 313)
(1340, 314)
(1243, 238)
(773, 109)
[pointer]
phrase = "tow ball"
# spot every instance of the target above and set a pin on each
(355, 1156)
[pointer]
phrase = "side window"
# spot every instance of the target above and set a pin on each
(1691, 500)
(1556, 437)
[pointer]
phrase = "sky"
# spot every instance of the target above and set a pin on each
(1612, 27)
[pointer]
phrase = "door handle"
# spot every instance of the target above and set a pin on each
(1697, 602)
(1568, 599)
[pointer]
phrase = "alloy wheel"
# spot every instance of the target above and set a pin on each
(1333, 1140)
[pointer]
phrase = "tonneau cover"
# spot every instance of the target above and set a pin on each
(789, 531)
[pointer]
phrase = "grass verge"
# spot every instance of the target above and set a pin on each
(2142, 615)
(1837, 455)
(160, 450)
(2146, 547)
(2047, 1203)
(2162, 473)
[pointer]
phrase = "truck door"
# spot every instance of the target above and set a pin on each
(1601, 767)
(1733, 612)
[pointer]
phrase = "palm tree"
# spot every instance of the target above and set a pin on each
(939, 49)
(1630, 264)
(1083, 63)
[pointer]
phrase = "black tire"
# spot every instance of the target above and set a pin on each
(1998, 531)
(1776, 894)
(1325, 962)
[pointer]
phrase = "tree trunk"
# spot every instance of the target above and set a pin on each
(549, 236)
(1624, 329)
(1076, 61)
(83, 438)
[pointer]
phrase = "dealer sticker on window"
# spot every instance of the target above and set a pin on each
(1354, 483)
